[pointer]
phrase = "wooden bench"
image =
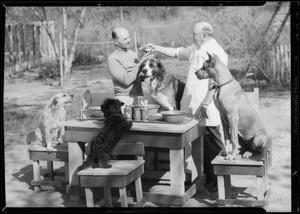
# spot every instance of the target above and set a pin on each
(39, 153)
(120, 175)
(256, 166)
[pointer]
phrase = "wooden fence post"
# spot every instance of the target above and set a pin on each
(18, 48)
(135, 43)
(51, 49)
(24, 43)
(278, 64)
(40, 32)
(42, 41)
(65, 48)
(60, 61)
(288, 63)
(11, 47)
(40, 58)
(282, 63)
(34, 45)
(275, 71)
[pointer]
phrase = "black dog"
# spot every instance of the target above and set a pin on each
(114, 126)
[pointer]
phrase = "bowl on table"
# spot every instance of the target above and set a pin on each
(173, 116)
(95, 111)
(152, 109)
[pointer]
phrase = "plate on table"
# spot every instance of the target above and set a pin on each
(94, 108)
(95, 112)
(90, 118)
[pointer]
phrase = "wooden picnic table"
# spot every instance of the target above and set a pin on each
(175, 137)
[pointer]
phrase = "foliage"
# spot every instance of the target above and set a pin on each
(49, 70)
(83, 58)
(238, 29)
(20, 120)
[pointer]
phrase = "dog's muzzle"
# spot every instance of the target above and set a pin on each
(144, 74)
(201, 74)
(70, 100)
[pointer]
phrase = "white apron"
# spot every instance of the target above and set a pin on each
(196, 90)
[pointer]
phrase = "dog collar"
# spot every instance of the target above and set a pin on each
(219, 86)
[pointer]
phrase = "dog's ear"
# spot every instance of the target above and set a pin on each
(211, 60)
(209, 57)
(162, 70)
(140, 73)
(159, 64)
(54, 100)
(141, 67)
(121, 103)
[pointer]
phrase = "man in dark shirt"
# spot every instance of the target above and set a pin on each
(123, 65)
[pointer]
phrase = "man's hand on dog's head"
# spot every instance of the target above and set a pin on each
(147, 48)
(146, 57)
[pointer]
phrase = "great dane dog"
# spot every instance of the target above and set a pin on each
(242, 126)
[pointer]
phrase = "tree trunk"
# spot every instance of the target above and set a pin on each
(52, 39)
(272, 18)
(281, 27)
(76, 32)
(65, 48)
(44, 23)
(121, 14)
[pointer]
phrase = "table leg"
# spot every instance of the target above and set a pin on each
(177, 171)
(221, 187)
(224, 186)
(197, 157)
(75, 161)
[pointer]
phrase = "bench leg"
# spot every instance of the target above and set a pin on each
(89, 197)
(156, 160)
(266, 182)
(138, 189)
(67, 172)
(50, 170)
(36, 174)
(108, 198)
(123, 197)
(260, 188)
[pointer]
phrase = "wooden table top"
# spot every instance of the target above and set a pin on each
(136, 126)
(253, 161)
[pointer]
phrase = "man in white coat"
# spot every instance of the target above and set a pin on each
(197, 99)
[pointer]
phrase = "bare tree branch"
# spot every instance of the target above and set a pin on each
(44, 11)
(252, 61)
(76, 32)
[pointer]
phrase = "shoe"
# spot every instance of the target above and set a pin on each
(213, 188)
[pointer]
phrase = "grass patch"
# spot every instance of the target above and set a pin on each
(19, 121)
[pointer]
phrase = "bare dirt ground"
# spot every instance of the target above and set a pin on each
(275, 111)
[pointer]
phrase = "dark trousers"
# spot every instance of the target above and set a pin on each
(212, 146)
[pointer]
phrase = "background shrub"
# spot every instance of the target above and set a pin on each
(49, 70)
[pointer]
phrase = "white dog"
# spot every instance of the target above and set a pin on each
(50, 131)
